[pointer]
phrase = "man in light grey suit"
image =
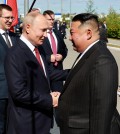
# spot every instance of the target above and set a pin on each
(87, 104)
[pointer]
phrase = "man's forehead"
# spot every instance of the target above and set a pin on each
(75, 25)
(5, 10)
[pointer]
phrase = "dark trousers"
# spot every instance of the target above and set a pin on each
(3, 115)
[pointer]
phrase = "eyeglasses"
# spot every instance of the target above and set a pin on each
(8, 18)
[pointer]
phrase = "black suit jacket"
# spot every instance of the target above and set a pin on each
(3, 51)
(30, 102)
(88, 101)
(61, 49)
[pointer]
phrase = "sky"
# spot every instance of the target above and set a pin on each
(71, 6)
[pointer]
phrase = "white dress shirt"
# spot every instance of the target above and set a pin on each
(84, 53)
(32, 47)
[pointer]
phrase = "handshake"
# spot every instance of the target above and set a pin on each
(57, 57)
(55, 97)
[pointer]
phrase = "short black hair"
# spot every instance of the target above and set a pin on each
(49, 12)
(83, 17)
(4, 6)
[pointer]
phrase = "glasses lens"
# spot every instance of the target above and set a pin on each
(8, 18)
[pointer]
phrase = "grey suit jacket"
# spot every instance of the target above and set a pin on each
(88, 101)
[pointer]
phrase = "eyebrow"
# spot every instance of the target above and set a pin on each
(51, 16)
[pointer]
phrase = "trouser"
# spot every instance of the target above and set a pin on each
(3, 115)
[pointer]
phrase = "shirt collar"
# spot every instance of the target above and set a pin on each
(28, 43)
(88, 48)
(3, 31)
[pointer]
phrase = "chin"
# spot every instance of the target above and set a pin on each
(74, 48)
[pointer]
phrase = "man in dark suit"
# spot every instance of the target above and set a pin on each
(87, 103)
(103, 33)
(57, 58)
(54, 58)
(57, 24)
(6, 19)
(31, 102)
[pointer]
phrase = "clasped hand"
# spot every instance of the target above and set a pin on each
(57, 57)
(55, 97)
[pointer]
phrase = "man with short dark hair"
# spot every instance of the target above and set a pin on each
(54, 58)
(55, 51)
(7, 39)
(87, 104)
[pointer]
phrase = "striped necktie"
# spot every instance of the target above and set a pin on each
(7, 40)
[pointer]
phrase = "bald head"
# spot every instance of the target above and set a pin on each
(34, 28)
(32, 18)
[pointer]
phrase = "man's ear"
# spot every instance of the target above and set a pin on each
(89, 34)
(28, 28)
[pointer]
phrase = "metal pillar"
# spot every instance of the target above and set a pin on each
(26, 6)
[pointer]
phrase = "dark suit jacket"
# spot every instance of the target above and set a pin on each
(62, 49)
(3, 51)
(88, 101)
(30, 102)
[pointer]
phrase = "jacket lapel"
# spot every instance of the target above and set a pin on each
(30, 55)
(80, 64)
(48, 43)
(3, 43)
(42, 53)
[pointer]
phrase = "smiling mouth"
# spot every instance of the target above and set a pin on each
(8, 25)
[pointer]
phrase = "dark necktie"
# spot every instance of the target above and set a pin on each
(54, 47)
(38, 56)
(7, 40)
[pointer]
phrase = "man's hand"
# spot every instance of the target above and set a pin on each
(55, 97)
(58, 57)
(52, 58)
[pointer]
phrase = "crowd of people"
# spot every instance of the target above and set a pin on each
(32, 75)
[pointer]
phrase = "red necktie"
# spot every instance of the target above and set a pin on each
(38, 56)
(54, 47)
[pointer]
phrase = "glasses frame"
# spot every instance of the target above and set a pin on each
(7, 18)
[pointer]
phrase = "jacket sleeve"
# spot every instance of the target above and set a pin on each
(22, 84)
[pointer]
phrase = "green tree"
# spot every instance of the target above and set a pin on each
(90, 7)
(113, 24)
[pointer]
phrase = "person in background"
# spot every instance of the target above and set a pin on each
(31, 101)
(54, 57)
(87, 104)
(104, 25)
(57, 25)
(103, 33)
(63, 29)
(55, 49)
(7, 40)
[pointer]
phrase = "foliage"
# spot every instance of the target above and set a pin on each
(113, 24)
(90, 7)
